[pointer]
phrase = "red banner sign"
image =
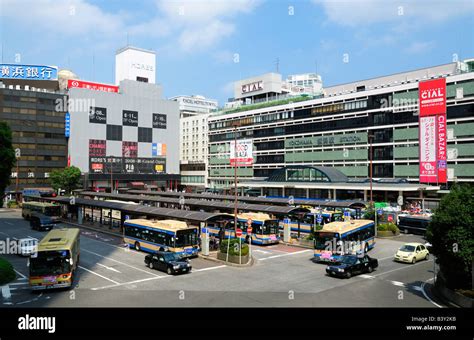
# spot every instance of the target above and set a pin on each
(432, 97)
(91, 86)
(428, 155)
(442, 158)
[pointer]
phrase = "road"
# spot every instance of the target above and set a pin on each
(111, 275)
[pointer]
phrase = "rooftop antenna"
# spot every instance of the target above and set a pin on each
(127, 38)
(277, 62)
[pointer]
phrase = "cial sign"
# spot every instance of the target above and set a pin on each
(252, 87)
(432, 97)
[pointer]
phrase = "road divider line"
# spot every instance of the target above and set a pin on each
(22, 276)
(109, 268)
(106, 278)
(287, 254)
(122, 263)
(131, 282)
(8, 223)
(209, 268)
(404, 267)
(426, 295)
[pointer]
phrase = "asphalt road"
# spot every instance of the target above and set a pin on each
(113, 276)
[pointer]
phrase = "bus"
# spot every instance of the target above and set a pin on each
(305, 224)
(55, 263)
(415, 224)
(46, 209)
(165, 235)
(265, 229)
(339, 238)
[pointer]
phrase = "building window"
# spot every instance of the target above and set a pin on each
(114, 132)
(145, 135)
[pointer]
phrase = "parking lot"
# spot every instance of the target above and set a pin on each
(113, 275)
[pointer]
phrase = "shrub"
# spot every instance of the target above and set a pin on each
(234, 247)
(388, 227)
(7, 273)
(12, 204)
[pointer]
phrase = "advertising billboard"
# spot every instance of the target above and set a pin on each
(442, 148)
(242, 155)
(28, 72)
(432, 97)
(428, 167)
(124, 165)
(129, 118)
(97, 147)
(159, 121)
(74, 83)
(98, 115)
(130, 149)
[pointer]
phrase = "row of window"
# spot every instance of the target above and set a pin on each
(19, 134)
(149, 235)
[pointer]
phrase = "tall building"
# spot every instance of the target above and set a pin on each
(299, 145)
(34, 108)
(194, 114)
(133, 63)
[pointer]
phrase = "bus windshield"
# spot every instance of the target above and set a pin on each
(52, 211)
(50, 263)
(270, 227)
(322, 239)
(186, 238)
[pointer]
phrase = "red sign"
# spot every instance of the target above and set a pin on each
(97, 166)
(390, 218)
(432, 97)
(442, 159)
(238, 232)
(428, 166)
(130, 149)
(249, 230)
(91, 86)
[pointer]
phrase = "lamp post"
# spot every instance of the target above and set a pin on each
(17, 156)
(371, 136)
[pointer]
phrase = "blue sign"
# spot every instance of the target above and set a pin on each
(154, 149)
(319, 218)
(67, 124)
(28, 72)
(347, 214)
(286, 221)
(127, 217)
(189, 250)
(204, 230)
(380, 212)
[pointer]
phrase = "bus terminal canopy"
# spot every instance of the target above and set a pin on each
(192, 216)
(258, 200)
(202, 204)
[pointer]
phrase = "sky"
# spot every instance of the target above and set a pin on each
(202, 46)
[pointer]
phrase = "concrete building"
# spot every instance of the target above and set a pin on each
(194, 114)
(333, 132)
(133, 63)
(31, 104)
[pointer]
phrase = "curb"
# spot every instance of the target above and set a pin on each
(208, 258)
(91, 228)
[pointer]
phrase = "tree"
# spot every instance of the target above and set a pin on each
(67, 179)
(451, 235)
(7, 158)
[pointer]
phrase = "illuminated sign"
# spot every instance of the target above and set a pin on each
(73, 83)
(28, 72)
(432, 97)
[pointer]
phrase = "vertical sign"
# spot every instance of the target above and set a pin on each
(243, 154)
(67, 124)
(432, 131)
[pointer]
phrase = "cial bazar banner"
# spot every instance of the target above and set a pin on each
(242, 155)
(73, 83)
(433, 134)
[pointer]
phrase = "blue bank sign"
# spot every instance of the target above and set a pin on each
(28, 72)
(67, 125)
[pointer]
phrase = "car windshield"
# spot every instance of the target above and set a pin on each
(50, 263)
(169, 257)
(407, 248)
(349, 259)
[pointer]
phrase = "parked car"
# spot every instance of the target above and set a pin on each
(42, 222)
(351, 265)
(168, 262)
(412, 252)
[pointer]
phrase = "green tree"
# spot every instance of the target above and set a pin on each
(451, 235)
(67, 179)
(7, 158)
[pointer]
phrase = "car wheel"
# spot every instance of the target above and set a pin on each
(169, 271)
(150, 265)
(348, 275)
(162, 249)
(137, 246)
(414, 260)
(366, 248)
(427, 257)
(370, 269)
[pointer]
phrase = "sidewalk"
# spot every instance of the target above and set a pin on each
(94, 226)
(213, 257)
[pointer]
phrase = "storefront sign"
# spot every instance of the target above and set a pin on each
(242, 155)
(442, 148)
(428, 167)
(117, 165)
(98, 115)
(159, 121)
(67, 124)
(432, 97)
(130, 149)
(129, 118)
(74, 83)
(325, 140)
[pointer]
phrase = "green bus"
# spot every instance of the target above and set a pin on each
(46, 209)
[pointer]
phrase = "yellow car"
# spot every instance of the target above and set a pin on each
(412, 252)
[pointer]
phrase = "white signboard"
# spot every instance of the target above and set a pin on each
(243, 154)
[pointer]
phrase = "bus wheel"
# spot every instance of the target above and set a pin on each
(137, 246)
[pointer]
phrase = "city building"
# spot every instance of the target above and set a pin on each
(30, 102)
(124, 135)
(337, 132)
(194, 113)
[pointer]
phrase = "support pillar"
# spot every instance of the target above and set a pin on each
(365, 195)
(334, 194)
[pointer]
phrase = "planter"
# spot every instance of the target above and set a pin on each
(233, 258)
(307, 243)
(386, 233)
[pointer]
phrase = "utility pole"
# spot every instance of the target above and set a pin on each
(371, 136)
(235, 125)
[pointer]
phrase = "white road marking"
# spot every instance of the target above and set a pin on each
(261, 251)
(365, 276)
(1, 232)
(106, 278)
(32, 237)
(8, 223)
(123, 263)
(397, 283)
(22, 276)
(208, 268)
(404, 267)
(287, 254)
(6, 292)
(426, 295)
(109, 268)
